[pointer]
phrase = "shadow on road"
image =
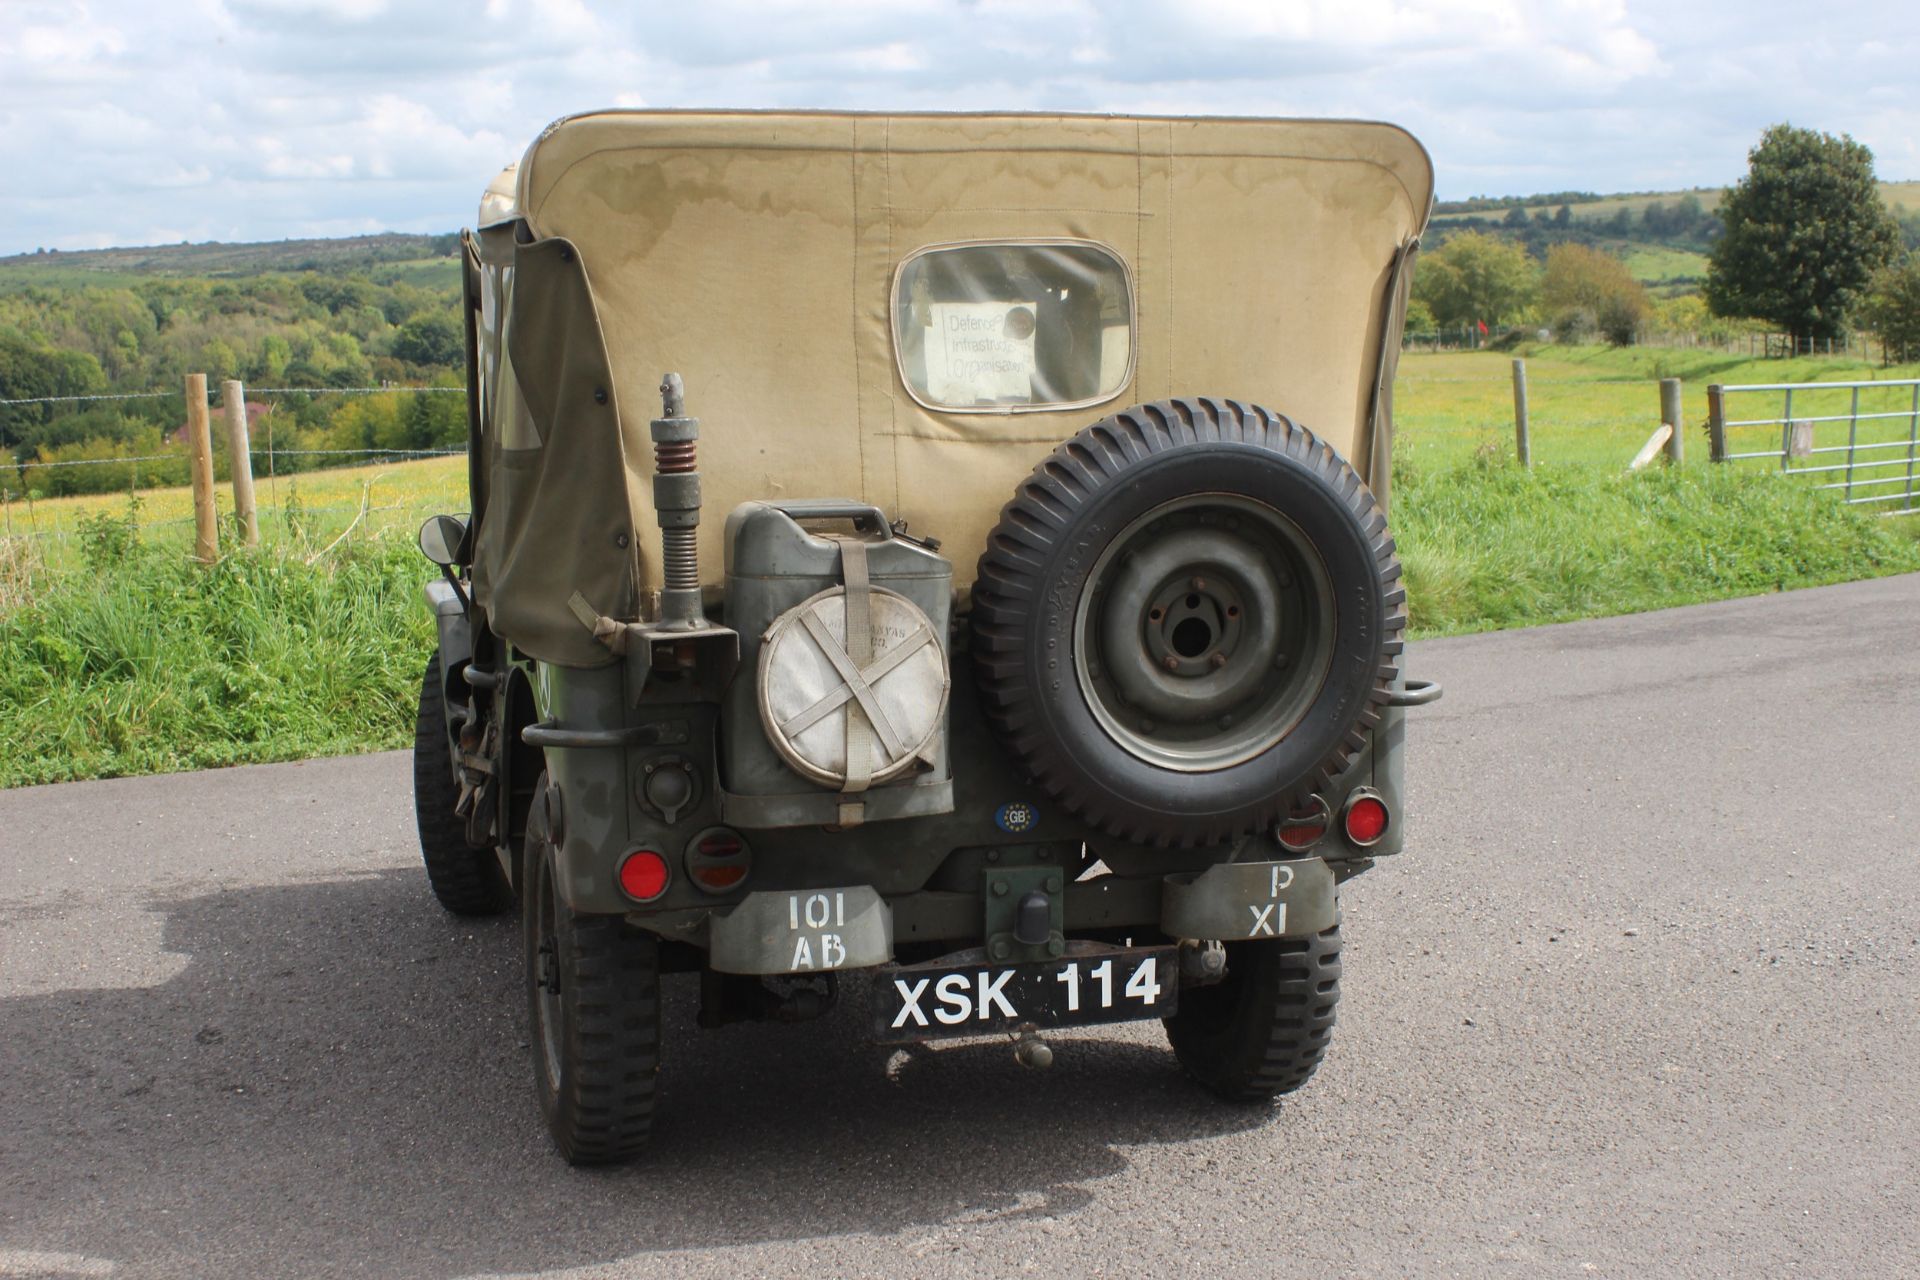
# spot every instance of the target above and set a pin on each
(338, 1079)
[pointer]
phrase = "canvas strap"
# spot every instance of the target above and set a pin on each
(859, 626)
(607, 631)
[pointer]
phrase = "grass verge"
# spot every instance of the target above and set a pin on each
(148, 663)
(1487, 545)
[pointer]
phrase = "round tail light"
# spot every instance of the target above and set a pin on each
(718, 860)
(643, 875)
(1306, 825)
(1366, 818)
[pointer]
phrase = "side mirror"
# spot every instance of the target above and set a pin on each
(440, 539)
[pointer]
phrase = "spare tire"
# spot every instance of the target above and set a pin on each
(1185, 620)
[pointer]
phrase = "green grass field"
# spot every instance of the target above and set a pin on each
(1597, 405)
(396, 496)
(1658, 265)
(118, 655)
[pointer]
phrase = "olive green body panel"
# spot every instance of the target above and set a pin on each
(933, 873)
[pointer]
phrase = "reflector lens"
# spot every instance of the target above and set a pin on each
(1366, 820)
(718, 860)
(1302, 836)
(720, 878)
(643, 876)
(1306, 824)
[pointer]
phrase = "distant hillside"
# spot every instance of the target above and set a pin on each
(398, 254)
(1586, 206)
(1664, 236)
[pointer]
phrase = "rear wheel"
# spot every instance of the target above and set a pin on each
(466, 881)
(593, 999)
(1263, 1029)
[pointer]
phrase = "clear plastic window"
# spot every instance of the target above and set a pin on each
(1004, 327)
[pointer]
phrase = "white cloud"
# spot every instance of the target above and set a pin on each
(123, 120)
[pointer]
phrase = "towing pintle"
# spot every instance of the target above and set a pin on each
(676, 504)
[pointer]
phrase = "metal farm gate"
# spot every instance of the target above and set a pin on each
(1862, 438)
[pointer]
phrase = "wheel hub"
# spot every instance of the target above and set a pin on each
(1191, 639)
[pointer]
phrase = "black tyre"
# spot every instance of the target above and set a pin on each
(593, 1000)
(1263, 1029)
(1185, 620)
(467, 881)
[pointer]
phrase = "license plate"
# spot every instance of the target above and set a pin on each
(926, 1001)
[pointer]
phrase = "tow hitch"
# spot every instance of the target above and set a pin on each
(1030, 1051)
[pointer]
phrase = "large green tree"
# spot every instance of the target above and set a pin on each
(1475, 277)
(1805, 231)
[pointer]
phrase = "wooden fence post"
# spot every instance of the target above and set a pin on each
(1716, 425)
(233, 400)
(206, 542)
(1522, 443)
(1670, 413)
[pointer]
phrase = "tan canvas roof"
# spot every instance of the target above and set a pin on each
(754, 254)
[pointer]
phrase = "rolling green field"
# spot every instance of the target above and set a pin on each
(119, 656)
(1658, 265)
(397, 496)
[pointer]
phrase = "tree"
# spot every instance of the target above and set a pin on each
(1584, 289)
(1805, 231)
(1892, 309)
(30, 370)
(1475, 277)
(432, 337)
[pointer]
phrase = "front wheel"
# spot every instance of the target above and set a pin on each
(465, 880)
(1263, 1029)
(593, 999)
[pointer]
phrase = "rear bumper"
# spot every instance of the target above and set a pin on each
(853, 927)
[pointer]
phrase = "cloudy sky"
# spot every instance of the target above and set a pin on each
(155, 121)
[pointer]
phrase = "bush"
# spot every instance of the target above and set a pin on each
(1893, 310)
(1586, 292)
(108, 540)
(116, 470)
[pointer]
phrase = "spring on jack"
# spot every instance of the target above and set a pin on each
(671, 458)
(680, 558)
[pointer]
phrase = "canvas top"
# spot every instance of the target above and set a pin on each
(909, 310)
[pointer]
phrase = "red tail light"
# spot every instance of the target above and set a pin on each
(1306, 825)
(1366, 818)
(643, 876)
(718, 860)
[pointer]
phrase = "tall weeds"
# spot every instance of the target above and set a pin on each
(144, 662)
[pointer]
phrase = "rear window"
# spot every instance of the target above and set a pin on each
(1005, 326)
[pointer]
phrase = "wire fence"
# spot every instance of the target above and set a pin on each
(309, 500)
(42, 474)
(1757, 346)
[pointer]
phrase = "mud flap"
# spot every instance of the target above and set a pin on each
(803, 931)
(1235, 901)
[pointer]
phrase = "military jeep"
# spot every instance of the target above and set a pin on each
(1042, 667)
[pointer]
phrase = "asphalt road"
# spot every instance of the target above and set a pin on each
(1642, 999)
